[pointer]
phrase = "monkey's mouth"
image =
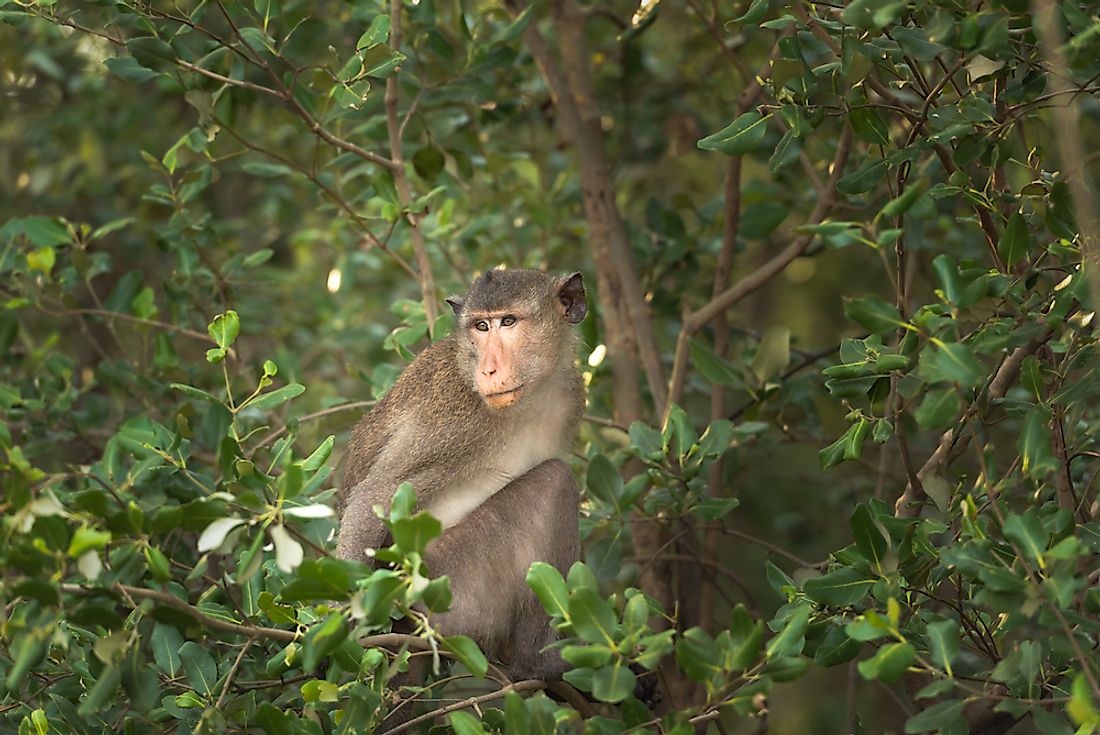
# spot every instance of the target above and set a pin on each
(504, 398)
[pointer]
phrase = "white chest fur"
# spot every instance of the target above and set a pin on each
(534, 440)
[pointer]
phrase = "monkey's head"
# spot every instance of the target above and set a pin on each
(513, 330)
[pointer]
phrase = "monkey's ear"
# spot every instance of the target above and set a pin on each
(456, 304)
(571, 297)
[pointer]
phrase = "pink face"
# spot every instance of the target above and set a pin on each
(498, 338)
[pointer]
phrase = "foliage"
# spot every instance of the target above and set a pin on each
(208, 208)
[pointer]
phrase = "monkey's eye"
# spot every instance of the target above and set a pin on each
(482, 326)
(507, 321)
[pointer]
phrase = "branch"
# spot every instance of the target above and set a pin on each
(625, 307)
(1068, 139)
(944, 154)
(167, 598)
(520, 686)
(401, 179)
(695, 321)
(952, 445)
(315, 415)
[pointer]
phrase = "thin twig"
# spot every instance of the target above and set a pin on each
(529, 685)
(167, 598)
(755, 280)
(276, 433)
(401, 180)
(233, 672)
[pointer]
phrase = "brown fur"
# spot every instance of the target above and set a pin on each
(486, 468)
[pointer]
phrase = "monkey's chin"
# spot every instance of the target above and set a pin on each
(504, 399)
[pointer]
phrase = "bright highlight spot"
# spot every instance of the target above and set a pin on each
(333, 283)
(597, 356)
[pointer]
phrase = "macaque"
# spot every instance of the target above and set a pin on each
(477, 423)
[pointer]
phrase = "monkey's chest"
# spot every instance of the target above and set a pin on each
(516, 453)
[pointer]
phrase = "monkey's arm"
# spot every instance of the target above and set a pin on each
(360, 527)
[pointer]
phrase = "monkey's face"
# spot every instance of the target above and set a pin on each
(500, 341)
(517, 324)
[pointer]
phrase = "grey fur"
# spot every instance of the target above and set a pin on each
(433, 429)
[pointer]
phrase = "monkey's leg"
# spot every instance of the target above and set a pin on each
(487, 555)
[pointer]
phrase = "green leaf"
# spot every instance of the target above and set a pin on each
(378, 32)
(848, 447)
(413, 534)
(743, 135)
(943, 643)
(915, 42)
(322, 639)
(87, 539)
(592, 616)
(152, 53)
(224, 329)
(267, 401)
(874, 314)
(889, 662)
(193, 392)
(144, 305)
(613, 683)
(27, 651)
(1028, 534)
(646, 441)
(839, 588)
(772, 354)
(380, 61)
(46, 232)
(792, 638)
(428, 162)
(712, 367)
(467, 653)
(550, 588)
(947, 273)
(942, 716)
(1082, 708)
(167, 641)
(756, 12)
(953, 362)
(869, 126)
(41, 259)
(199, 666)
(589, 656)
(1015, 240)
(837, 648)
(269, 170)
(868, 536)
(158, 564)
(786, 152)
(274, 721)
(1034, 443)
(516, 719)
(938, 408)
(903, 203)
(603, 481)
(865, 178)
(318, 579)
(128, 68)
(102, 692)
(513, 30)
(320, 455)
(466, 724)
(697, 656)
(872, 15)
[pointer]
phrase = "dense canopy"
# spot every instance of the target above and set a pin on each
(839, 459)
